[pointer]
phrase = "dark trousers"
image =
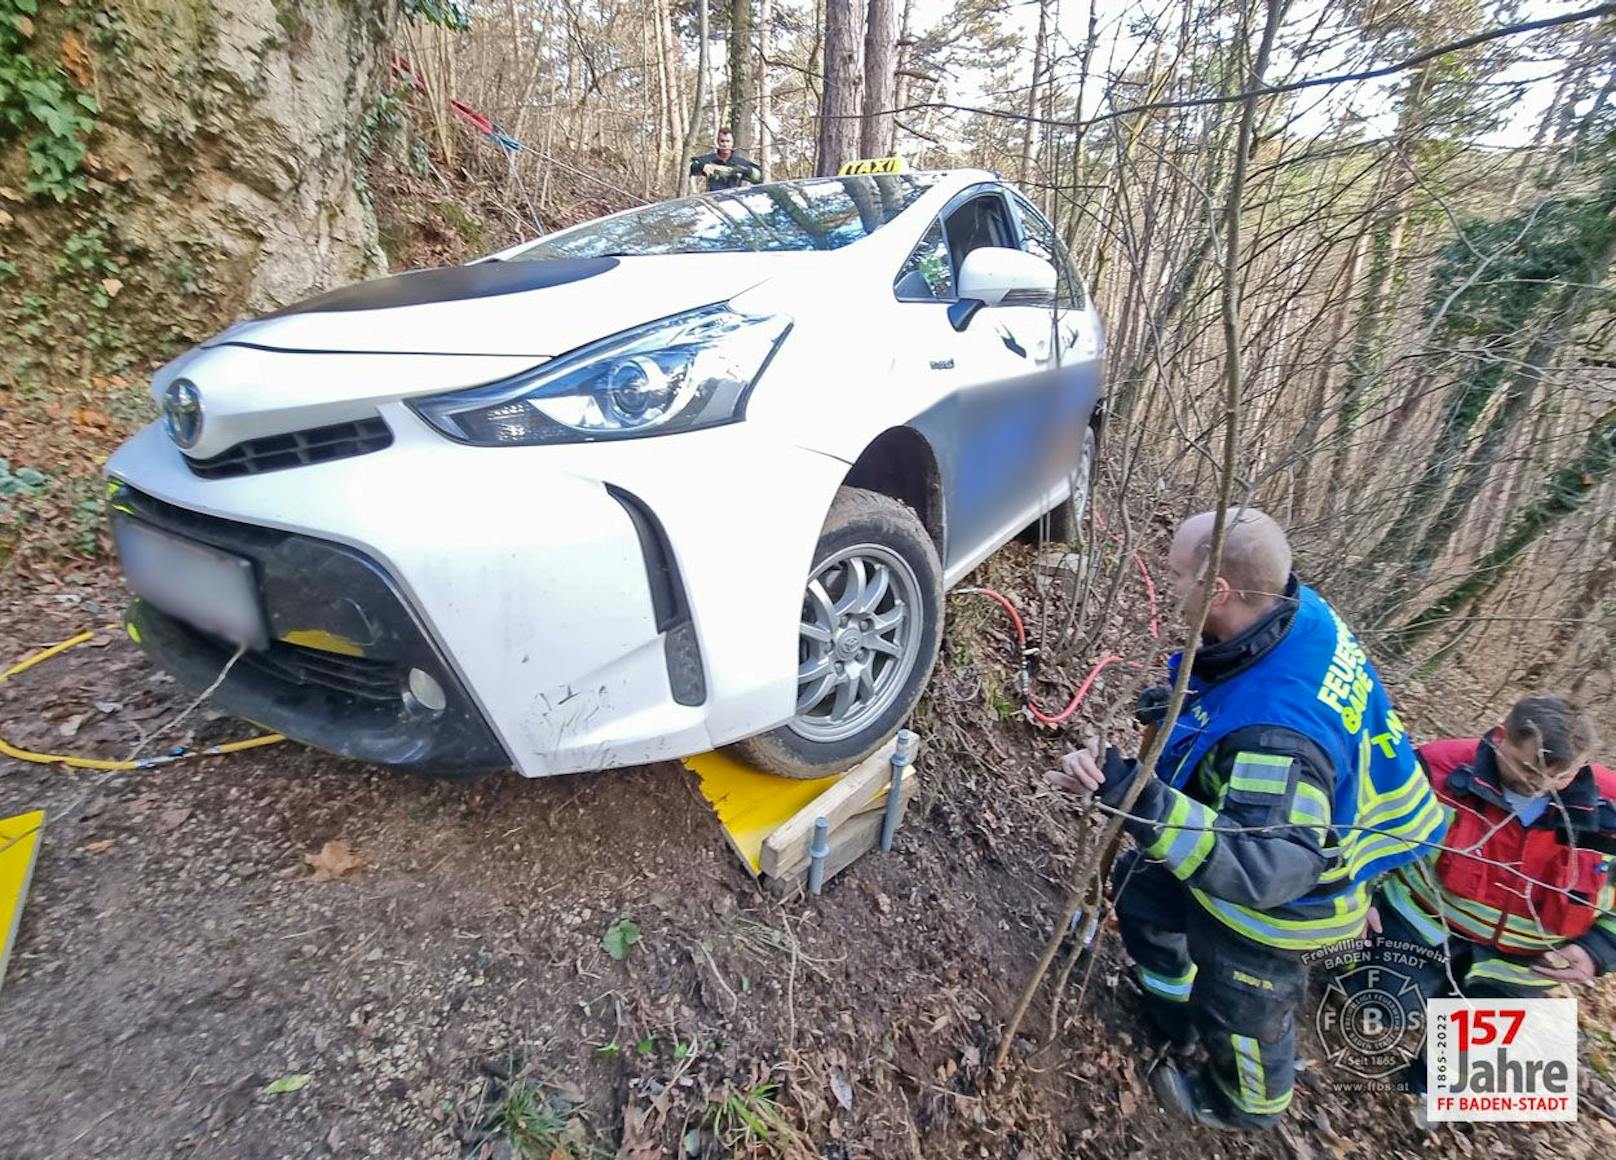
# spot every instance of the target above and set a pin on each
(1239, 994)
(1433, 961)
(1480, 971)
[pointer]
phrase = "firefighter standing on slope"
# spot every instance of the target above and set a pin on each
(1285, 727)
(1521, 897)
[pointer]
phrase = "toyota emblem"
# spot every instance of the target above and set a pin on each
(182, 412)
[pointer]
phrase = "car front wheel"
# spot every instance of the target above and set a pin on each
(866, 639)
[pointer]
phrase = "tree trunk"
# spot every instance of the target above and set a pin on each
(742, 107)
(696, 125)
(673, 66)
(765, 135)
(1029, 135)
(839, 105)
(900, 91)
(1385, 248)
(880, 79)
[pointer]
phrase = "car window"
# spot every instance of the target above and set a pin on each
(982, 221)
(819, 214)
(927, 275)
(1041, 239)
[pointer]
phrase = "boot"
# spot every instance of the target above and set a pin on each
(1188, 1096)
(1169, 1024)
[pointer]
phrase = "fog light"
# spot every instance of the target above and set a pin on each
(426, 691)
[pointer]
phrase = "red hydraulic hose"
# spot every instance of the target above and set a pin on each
(1077, 698)
(1021, 638)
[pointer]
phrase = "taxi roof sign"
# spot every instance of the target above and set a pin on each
(871, 165)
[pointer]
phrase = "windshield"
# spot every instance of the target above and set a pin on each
(823, 214)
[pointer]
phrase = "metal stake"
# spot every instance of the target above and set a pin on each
(816, 855)
(903, 754)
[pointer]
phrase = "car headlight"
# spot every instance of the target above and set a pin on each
(677, 374)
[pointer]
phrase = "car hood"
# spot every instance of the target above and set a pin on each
(524, 309)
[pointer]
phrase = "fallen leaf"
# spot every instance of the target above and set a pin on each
(841, 1087)
(287, 1083)
(334, 860)
(88, 417)
(70, 727)
(100, 847)
(109, 707)
(1127, 1103)
(619, 937)
(111, 286)
(25, 26)
(170, 820)
(883, 904)
(5, 219)
(971, 1056)
(12, 195)
(76, 60)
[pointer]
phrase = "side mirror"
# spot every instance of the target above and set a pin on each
(994, 276)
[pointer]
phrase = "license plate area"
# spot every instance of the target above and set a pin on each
(211, 590)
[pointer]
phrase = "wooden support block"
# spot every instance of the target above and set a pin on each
(906, 792)
(856, 836)
(858, 786)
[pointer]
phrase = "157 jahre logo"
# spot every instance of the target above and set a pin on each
(1493, 1059)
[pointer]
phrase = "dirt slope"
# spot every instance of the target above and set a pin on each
(178, 955)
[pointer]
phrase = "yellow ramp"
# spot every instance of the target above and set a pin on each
(19, 843)
(751, 804)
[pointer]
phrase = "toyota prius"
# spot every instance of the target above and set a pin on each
(687, 476)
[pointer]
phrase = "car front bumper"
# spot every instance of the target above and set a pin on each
(581, 607)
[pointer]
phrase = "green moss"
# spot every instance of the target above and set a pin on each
(468, 228)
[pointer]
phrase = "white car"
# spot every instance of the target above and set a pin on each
(691, 475)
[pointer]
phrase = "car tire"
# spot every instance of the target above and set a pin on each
(1065, 520)
(872, 551)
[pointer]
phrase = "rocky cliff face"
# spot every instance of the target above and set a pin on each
(222, 173)
(253, 113)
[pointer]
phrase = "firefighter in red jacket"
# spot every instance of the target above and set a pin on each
(1522, 895)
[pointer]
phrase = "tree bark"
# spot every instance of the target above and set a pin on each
(839, 104)
(765, 132)
(879, 125)
(742, 103)
(696, 117)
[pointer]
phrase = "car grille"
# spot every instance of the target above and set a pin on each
(363, 677)
(296, 449)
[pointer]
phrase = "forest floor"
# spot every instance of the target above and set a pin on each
(455, 996)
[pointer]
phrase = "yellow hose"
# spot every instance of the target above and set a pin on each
(45, 654)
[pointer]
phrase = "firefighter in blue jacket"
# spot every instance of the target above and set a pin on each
(1288, 785)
